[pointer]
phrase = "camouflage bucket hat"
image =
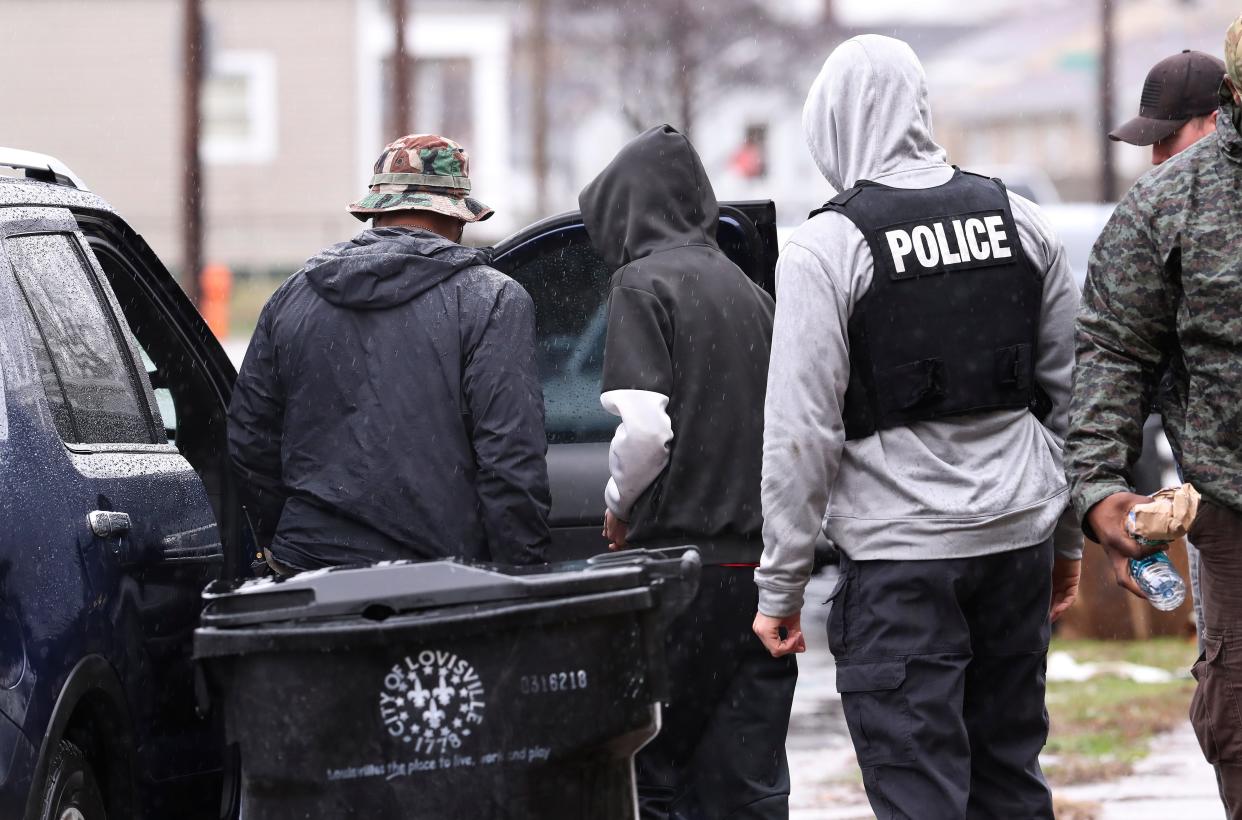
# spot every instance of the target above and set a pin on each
(1233, 53)
(422, 172)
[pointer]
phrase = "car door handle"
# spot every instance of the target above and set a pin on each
(108, 524)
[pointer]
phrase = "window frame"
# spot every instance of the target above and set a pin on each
(259, 146)
(54, 222)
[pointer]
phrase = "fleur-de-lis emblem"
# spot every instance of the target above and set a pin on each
(443, 692)
(434, 716)
(421, 695)
(428, 700)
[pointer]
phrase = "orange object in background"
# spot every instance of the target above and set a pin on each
(215, 293)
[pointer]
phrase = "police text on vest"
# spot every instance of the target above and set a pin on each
(975, 239)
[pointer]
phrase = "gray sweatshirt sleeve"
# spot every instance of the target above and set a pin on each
(1054, 364)
(803, 434)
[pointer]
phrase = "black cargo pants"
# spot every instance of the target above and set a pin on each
(941, 670)
(720, 753)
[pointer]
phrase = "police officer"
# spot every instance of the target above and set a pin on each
(916, 408)
(1164, 284)
(685, 366)
(1177, 108)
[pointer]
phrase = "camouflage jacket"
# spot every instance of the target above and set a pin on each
(1164, 295)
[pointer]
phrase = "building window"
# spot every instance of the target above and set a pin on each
(239, 108)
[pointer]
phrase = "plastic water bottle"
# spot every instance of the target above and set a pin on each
(1159, 581)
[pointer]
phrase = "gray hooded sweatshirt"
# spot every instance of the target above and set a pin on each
(958, 487)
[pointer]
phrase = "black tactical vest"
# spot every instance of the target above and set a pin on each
(950, 324)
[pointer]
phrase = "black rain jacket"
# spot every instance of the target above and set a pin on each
(389, 407)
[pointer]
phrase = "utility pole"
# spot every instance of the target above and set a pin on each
(685, 67)
(192, 182)
(539, 91)
(401, 72)
(1108, 174)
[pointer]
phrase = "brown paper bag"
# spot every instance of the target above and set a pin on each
(1168, 516)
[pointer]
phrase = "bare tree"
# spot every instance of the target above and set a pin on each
(675, 58)
(401, 69)
(651, 61)
(1108, 167)
(539, 101)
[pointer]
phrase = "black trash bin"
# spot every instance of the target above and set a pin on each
(443, 690)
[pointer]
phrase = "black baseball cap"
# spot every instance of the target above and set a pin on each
(1177, 89)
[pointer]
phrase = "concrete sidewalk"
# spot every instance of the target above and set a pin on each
(825, 781)
(1172, 783)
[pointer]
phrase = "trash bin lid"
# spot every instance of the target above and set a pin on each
(396, 587)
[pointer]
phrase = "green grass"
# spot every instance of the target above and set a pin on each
(1101, 727)
(1174, 654)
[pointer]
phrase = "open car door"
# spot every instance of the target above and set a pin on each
(553, 259)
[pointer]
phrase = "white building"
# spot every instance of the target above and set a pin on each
(295, 107)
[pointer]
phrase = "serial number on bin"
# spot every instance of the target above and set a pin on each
(554, 682)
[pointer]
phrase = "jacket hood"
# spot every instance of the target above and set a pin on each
(867, 114)
(653, 196)
(384, 267)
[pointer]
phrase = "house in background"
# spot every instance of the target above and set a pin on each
(1023, 91)
(295, 110)
(297, 100)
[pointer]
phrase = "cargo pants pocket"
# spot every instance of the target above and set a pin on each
(1214, 711)
(838, 601)
(877, 712)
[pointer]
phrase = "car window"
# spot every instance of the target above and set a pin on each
(568, 282)
(51, 381)
(163, 396)
(569, 285)
(87, 375)
(188, 409)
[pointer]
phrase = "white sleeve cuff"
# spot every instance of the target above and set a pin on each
(640, 448)
(612, 499)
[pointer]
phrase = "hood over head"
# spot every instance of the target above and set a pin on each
(385, 267)
(867, 114)
(653, 196)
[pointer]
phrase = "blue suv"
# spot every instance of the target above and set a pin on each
(117, 508)
(118, 504)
